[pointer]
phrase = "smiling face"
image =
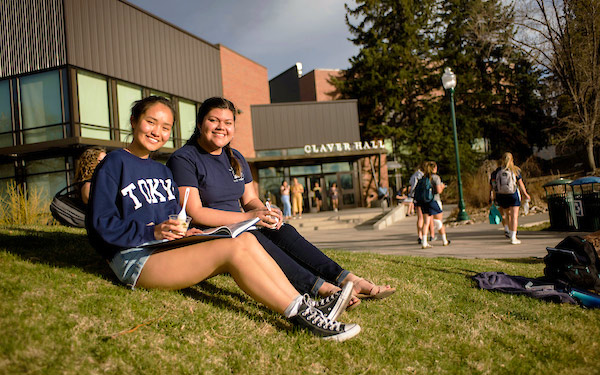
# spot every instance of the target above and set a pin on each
(216, 130)
(151, 130)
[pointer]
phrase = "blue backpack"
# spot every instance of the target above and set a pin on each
(424, 190)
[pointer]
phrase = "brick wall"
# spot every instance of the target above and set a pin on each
(245, 82)
(325, 90)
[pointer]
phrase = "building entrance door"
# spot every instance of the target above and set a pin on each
(347, 191)
(347, 186)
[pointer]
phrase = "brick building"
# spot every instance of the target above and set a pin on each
(70, 70)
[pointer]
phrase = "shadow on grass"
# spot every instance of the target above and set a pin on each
(56, 248)
(208, 293)
(66, 248)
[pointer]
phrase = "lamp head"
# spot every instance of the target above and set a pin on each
(448, 79)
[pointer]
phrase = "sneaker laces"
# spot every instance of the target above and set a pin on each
(316, 316)
(324, 301)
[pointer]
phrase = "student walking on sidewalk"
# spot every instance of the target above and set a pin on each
(506, 188)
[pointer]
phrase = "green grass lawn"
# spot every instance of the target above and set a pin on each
(62, 312)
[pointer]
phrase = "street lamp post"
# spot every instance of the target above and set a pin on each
(449, 83)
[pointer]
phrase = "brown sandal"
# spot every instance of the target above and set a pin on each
(376, 292)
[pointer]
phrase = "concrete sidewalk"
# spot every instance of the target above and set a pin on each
(467, 241)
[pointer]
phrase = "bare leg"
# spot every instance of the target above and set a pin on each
(419, 222)
(513, 218)
(243, 257)
(431, 227)
(426, 220)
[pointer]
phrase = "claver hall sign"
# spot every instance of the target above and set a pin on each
(343, 147)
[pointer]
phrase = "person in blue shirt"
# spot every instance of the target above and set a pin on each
(221, 186)
(131, 199)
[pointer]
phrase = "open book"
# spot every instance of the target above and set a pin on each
(225, 231)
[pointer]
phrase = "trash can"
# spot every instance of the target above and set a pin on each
(561, 209)
(586, 195)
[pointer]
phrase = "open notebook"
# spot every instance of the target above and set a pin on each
(224, 231)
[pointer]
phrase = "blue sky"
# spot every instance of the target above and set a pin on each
(275, 34)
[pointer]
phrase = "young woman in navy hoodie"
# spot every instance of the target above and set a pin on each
(130, 201)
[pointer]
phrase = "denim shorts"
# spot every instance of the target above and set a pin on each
(128, 264)
(430, 208)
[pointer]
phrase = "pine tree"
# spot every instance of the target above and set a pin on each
(498, 91)
(389, 76)
(396, 78)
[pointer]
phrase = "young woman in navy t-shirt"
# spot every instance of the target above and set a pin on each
(130, 202)
(221, 186)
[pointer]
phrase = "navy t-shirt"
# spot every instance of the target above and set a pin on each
(129, 196)
(212, 175)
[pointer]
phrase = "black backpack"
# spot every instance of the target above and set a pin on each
(67, 208)
(424, 190)
(574, 262)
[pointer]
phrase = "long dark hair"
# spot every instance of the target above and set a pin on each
(207, 106)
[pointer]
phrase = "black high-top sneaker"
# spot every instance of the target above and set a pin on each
(334, 305)
(314, 320)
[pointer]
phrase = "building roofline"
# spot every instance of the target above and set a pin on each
(325, 102)
(219, 45)
(168, 23)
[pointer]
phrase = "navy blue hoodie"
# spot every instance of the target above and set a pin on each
(128, 197)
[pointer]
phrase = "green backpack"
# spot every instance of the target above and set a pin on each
(424, 190)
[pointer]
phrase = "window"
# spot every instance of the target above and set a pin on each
(7, 176)
(41, 106)
(271, 172)
(304, 170)
(336, 167)
(187, 119)
(47, 176)
(267, 153)
(93, 105)
(6, 139)
(126, 95)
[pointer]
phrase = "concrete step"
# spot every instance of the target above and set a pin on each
(334, 220)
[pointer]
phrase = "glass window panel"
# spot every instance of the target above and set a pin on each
(336, 167)
(93, 105)
(47, 176)
(170, 142)
(5, 114)
(47, 185)
(329, 180)
(7, 170)
(348, 199)
(346, 181)
(271, 172)
(187, 119)
(295, 151)
(126, 95)
(159, 93)
(269, 188)
(45, 165)
(306, 169)
(264, 153)
(40, 106)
